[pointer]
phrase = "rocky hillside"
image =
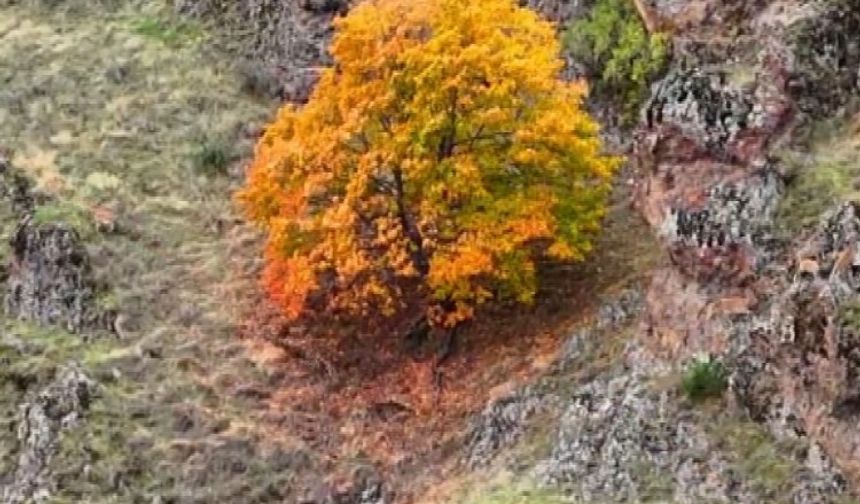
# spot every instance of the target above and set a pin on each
(708, 351)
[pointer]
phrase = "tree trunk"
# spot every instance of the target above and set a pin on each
(413, 234)
(645, 14)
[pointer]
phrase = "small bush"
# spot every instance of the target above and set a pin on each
(212, 157)
(705, 378)
(621, 56)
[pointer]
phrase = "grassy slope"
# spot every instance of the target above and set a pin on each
(116, 114)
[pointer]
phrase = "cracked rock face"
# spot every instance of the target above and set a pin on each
(505, 419)
(733, 213)
(41, 420)
(798, 361)
(702, 106)
(620, 442)
(710, 189)
(718, 239)
(501, 424)
(49, 278)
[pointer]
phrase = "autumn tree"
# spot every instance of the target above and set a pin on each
(437, 159)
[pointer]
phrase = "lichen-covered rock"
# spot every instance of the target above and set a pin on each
(49, 278)
(505, 419)
(620, 442)
(826, 70)
(702, 106)
(719, 238)
(363, 486)
(732, 213)
(561, 11)
(367, 488)
(710, 186)
(797, 361)
(501, 424)
(620, 309)
(41, 420)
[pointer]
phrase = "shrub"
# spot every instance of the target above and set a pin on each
(436, 160)
(212, 157)
(705, 378)
(622, 58)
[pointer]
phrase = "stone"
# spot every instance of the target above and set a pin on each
(323, 6)
(560, 11)
(505, 418)
(501, 424)
(49, 279)
(41, 420)
(711, 186)
(702, 105)
(616, 439)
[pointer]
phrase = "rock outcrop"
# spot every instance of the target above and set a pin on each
(505, 419)
(49, 279)
(623, 441)
(709, 186)
(58, 407)
(618, 436)
(560, 11)
(618, 441)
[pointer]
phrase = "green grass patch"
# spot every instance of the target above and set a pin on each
(706, 378)
(823, 171)
(64, 213)
(49, 346)
(517, 495)
(769, 466)
(849, 315)
(170, 32)
(212, 157)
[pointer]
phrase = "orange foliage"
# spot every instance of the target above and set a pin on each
(441, 152)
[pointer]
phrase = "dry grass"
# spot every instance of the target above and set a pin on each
(105, 114)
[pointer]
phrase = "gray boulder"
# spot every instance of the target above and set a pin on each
(58, 407)
(49, 278)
